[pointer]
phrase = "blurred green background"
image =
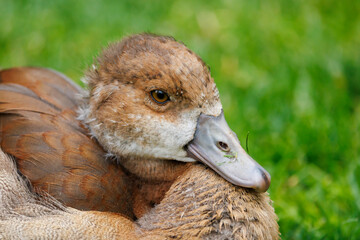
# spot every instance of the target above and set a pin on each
(288, 72)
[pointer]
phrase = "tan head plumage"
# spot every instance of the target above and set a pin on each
(121, 112)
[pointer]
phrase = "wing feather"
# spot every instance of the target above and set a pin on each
(38, 126)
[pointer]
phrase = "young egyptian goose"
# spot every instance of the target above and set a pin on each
(199, 205)
(152, 107)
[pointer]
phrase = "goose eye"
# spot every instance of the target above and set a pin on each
(159, 96)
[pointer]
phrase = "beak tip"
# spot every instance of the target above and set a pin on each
(264, 183)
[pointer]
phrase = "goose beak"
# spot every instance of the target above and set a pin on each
(218, 147)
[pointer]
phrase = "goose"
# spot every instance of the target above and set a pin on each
(151, 110)
(199, 205)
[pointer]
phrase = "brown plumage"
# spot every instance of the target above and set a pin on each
(114, 149)
(51, 147)
(199, 205)
(55, 152)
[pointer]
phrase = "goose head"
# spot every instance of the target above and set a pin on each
(151, 101)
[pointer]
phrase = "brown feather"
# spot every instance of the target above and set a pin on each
(38, 127)
(49, 85)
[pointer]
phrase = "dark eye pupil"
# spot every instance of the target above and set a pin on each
(160, 94)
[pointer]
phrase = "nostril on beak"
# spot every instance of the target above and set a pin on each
(223, 146)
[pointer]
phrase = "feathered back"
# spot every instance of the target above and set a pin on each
(38, 126)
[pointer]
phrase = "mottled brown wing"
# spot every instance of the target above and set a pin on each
(38, 126)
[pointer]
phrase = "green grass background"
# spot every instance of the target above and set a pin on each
(288, 72)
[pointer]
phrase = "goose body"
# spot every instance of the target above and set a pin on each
(199, 205)
(151, 110)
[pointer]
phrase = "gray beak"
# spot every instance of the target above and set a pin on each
(218, 147)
